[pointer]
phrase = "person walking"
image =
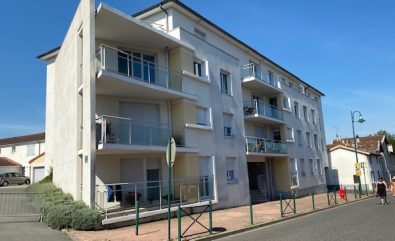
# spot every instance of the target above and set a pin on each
(393, 186)
(381, 190)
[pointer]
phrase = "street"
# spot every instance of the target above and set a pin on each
(364, 220)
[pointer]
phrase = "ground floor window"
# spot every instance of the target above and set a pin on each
(294, 172)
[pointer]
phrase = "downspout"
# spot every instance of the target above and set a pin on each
(167, 16)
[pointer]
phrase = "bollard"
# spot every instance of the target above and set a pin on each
(312, 200)
(210, 217)
(137, 218)
(345, 193)
(355, 192)
(334, 193)
(281, 205)
(179, 222)
(293, 198)
(366, 188)
(251, 214)
(327, 196)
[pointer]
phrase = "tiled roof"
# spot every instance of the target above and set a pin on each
(369, 144)
(36, 157)
(4, 161)
(22, 139)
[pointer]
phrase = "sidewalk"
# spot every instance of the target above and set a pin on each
(223, 220)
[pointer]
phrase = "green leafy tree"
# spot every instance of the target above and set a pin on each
(390, 136)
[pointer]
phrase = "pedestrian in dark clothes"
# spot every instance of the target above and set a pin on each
(381, 190)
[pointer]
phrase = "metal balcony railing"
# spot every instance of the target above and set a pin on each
(133, 66)
(252, 70)
(261, 145)
(260, 108)
(120, 130)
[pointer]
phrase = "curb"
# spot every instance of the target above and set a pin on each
(261, 225)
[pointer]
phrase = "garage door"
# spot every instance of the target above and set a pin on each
(38, 173)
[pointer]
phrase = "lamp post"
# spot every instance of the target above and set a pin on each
(360, 120)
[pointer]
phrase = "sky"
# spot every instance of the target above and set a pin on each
(344, 48)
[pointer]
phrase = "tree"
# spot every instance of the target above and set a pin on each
(390, 136)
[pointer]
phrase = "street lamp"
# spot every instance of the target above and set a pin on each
(360, 120)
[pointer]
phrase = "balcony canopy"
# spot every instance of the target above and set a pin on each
(115, 25)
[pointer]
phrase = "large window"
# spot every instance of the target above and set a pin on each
(316, 145)
(300, 138)
(319, 167)
(290, 134)
(306, 117)
(205, 177)
(30, 151)
(302, 167)
(202, 116)
(308, 139)
(287, 103)
(231, 175)
(313, 119)
(225, 83)
(294, 172)
(311, 164)
(13, 149)
(296, 110)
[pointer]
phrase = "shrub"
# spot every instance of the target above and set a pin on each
(85, 219)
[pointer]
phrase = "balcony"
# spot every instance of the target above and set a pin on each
(255, 78)
(119, 135)
(265, 147)
(120, 73)
(258, 111)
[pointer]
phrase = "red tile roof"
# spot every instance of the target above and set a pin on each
(35, 158)
(369, 144)
(4, 161)
(22, 139)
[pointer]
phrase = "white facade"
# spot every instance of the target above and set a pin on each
(115, 95)
(22, 151)
(342, 167)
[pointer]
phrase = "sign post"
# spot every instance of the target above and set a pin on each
(170, 156)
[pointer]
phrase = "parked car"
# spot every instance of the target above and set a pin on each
(13, 178)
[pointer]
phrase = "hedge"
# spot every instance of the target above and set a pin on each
(60, 210)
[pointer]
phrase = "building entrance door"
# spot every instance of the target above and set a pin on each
(258, 176)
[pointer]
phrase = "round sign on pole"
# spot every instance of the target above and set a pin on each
(171, 152)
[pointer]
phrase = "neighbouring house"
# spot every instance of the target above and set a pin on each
(23, 149)
(8, 165)
(374, 151)
(119, 86)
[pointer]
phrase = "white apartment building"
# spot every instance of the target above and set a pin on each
(26, 150)
(120, 85)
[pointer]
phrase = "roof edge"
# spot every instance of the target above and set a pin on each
(49, 54)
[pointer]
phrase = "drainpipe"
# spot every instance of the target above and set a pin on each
(167, 17)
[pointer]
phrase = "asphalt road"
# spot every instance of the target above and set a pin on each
(14, 228)
(364, 220)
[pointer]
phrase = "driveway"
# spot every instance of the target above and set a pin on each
(23, 228)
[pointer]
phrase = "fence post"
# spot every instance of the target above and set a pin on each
(355, 193)
(345, 193)
(281, 205)
(334, 193)
(179, 222)
(137, 218)
(327, 196)
(210, 217)
(251, 214)
(312, 200)
(293, 198)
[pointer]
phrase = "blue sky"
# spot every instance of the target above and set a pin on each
(345, 48)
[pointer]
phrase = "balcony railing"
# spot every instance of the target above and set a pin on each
(133, 66)
(251, 70)
(120, 130)
(261, 145)
(153, 195)
(260, 108)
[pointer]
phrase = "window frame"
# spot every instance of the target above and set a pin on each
(296, 110)
(227, 80)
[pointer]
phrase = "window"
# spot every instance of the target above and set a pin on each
(319, 167)
(300, 138)
(311, 164)
(197, 68)
(204, 186)
(30, 151)
(202, 116)
(227, 125)
(13, 148)
(231, 175)
(316, 141)
(290, 134)
(225, 83)
(302, 167)
(296, 109)
(306, 118)
(294, 172)
(313, 116)
(308, 139)
(286, 103)
(271, 78)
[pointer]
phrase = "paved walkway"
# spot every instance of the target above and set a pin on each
(223, 220)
